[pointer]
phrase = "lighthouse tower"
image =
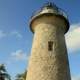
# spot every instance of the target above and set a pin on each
(49, 60)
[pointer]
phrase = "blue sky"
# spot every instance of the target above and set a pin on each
(16, 37)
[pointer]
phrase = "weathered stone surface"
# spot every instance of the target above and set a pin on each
(45, 64)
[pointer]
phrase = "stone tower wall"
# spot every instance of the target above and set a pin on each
(48, 64)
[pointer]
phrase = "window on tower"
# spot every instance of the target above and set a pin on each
(50, 45)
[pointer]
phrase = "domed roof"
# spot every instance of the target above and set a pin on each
(50, 9)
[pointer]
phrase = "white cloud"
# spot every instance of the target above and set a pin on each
(74, 26)
(73, 38)
(16, 33)
(76, 77)
(2, 34)
(13, 33)
(19, 55)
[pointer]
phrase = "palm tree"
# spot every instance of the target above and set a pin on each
(3, 73)
(21, 76)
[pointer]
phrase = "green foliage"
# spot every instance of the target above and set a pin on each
(3, 73)
(21, 76)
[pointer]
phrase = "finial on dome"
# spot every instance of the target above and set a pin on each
(50, 5)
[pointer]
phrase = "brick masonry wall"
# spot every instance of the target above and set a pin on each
(45, 64)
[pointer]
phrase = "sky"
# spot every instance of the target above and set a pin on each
(16, 37)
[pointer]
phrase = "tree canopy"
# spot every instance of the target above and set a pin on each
(3, 73)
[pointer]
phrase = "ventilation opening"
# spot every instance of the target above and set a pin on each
(50, 45)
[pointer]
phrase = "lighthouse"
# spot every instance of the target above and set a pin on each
(49, 58)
